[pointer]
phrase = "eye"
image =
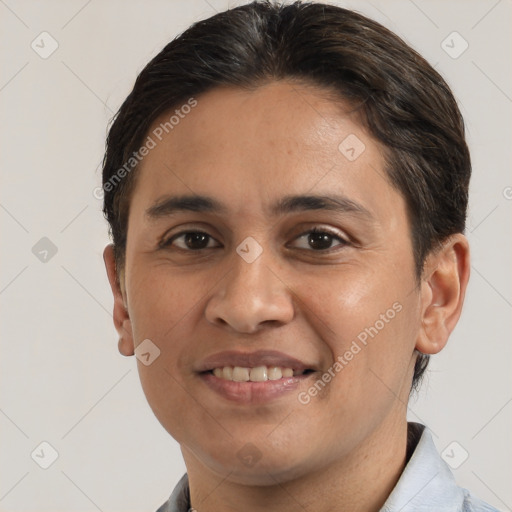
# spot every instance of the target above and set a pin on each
(319, 240)
(191, 240)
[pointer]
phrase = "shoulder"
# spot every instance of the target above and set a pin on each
(427, 483)
(474, 504)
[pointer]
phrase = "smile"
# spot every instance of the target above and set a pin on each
(256, 374)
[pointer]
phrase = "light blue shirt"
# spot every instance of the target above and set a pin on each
(426, 484)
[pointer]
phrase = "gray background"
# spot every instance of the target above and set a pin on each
(62, 379)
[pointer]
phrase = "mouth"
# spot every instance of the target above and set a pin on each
(253, 378)
(256, 374)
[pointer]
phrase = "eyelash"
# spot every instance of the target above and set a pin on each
(343, 242)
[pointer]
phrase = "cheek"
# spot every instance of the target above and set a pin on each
(369, 327)
(163, 309)
(160, 304)
(348, 305)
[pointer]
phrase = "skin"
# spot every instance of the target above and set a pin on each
(248, 149)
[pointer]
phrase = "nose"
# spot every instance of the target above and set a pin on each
(250, 296)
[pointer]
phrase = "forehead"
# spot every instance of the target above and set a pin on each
(248, 148)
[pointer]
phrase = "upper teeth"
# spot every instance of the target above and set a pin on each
(257, 374)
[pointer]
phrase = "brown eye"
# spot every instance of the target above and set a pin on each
(191, 240)
(320, 240)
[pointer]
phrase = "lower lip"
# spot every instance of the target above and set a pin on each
(253, 392)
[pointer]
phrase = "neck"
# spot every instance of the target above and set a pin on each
(360, 482)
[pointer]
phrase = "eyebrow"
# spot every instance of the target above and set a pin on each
(295, 203)
(335, 203)
(186, 203)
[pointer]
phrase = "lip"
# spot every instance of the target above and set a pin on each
(251, 360)
(253, 392)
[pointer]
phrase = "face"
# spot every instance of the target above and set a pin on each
(290, 264)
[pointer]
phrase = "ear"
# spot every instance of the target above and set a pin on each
(121, 317)
(443, 287)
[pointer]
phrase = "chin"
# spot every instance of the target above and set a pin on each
(254, 467)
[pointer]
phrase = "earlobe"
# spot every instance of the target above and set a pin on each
(443, 288)
(125, 347)
(121, 316)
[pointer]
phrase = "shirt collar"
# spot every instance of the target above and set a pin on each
(179, 500)
(426, 483)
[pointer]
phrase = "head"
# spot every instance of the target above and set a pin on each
(264, 111)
